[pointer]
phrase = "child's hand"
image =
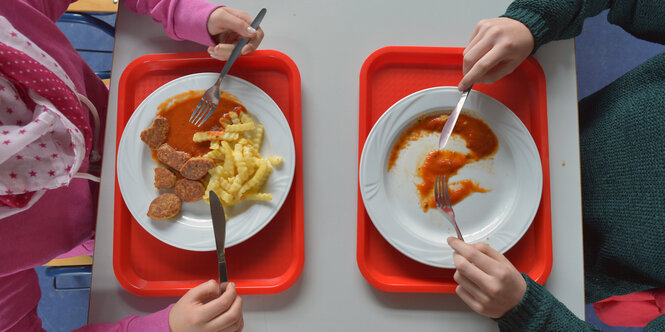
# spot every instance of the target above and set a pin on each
(488, 283)
(208, 307)
(496, 48)
(226, 25)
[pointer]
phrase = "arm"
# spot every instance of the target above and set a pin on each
(553, 19)
(206, 307)
(539, 310)
(493, 287)
(203, 22)
(182, 20)
(497, 46)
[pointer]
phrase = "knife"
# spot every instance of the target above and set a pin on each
(452, 119)
(219, 227)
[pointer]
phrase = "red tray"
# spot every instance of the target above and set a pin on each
(270, 261)
(391, 73)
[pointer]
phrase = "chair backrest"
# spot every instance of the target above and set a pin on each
(96, 23)
(94, 6)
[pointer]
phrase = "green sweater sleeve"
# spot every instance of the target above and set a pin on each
(551, 20)
(656, 325)
(539, 310)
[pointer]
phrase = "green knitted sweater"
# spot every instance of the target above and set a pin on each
(622, 147)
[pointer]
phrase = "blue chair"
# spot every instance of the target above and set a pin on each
(97, 24)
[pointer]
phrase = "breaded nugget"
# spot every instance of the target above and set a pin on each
(197, 167)
(169, 156)
(164, 178)
(156, 134)
(188, 190)
(164, 206)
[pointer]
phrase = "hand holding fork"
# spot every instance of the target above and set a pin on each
(210, 98)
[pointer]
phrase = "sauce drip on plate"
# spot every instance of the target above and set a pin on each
(480, 140)
(177, 111)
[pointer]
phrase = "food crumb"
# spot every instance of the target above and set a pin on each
(563, 163)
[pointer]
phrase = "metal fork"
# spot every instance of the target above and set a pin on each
(442, 199)
(210, 98)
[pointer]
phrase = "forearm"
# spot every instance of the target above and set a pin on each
(539, 310)
(155, 322)
(551, 20)
(182, 20)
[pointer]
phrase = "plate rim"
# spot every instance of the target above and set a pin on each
(373, 132)
(212, 76)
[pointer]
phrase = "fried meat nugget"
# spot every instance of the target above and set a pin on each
(169, 156)
(164, 178)
(197, 167)
(189, 190)
(164, 206)
(156, 134)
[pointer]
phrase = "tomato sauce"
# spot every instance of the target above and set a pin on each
(177, 111)
(480, 140)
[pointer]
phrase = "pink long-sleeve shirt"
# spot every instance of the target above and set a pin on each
(63, 218)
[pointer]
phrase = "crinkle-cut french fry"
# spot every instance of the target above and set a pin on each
(258, 137)
(275, 160)
(240, 170)
(259, 177)
(246, 118)
(241, 127)
(224, 121)
(225, 197)
(241, 165)
(250, 160)
(216, 171)
(217, 181)
(236, 184)
(228, 136)
(229, 168)
(234, 117)
(258, 197)
(203, 136)
(215, 154)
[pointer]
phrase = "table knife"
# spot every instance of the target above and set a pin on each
(452, 119)
(219, 228)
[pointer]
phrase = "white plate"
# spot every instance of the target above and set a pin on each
(499, 217)
(192, 228)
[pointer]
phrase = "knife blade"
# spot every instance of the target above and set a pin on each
(452, 119)
(219, 228)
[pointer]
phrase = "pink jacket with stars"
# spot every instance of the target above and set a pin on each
(47, 136)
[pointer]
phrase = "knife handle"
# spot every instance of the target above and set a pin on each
(223, 277)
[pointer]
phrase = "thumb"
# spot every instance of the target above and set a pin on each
(203, 292)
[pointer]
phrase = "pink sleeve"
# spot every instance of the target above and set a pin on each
(155, 322)
(182, 19)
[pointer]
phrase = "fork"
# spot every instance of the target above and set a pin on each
(210, 99)
(442, 199)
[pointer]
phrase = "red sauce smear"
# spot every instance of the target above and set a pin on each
(480, 140)
(177, 111)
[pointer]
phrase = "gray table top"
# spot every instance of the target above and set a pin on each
(329, 41)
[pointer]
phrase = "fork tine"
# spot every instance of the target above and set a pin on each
(437, 190)
(196, 111)
(204, 110)
(210, 110)
(446, 195)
